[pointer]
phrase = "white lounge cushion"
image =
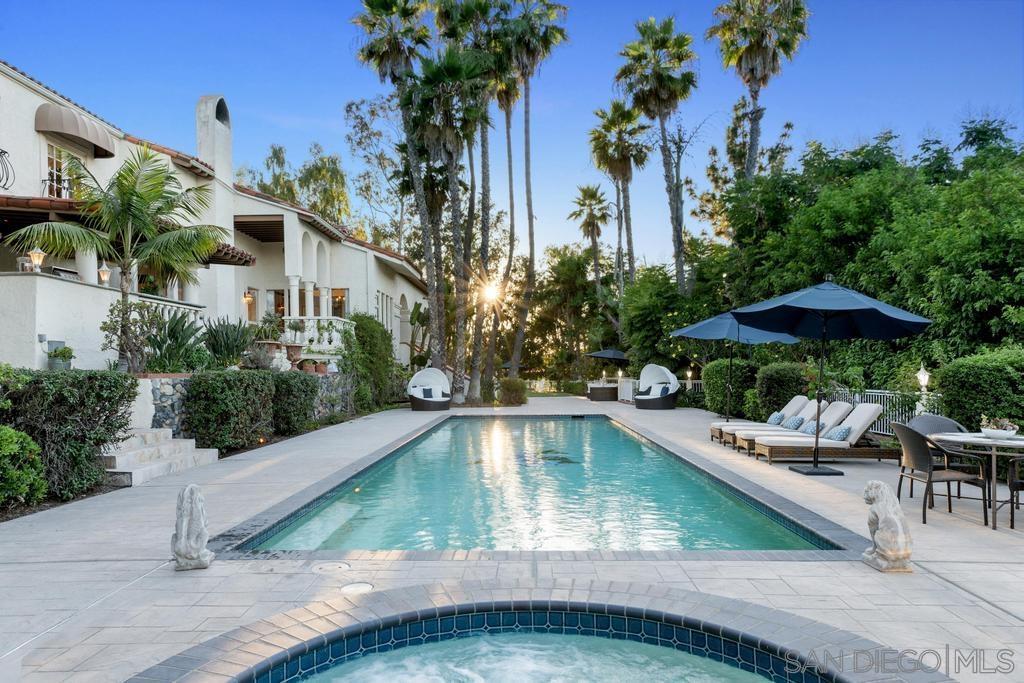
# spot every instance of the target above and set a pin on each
(795, 405)
(807, 413)
(859, 421)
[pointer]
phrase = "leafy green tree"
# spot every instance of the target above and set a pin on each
(141, 217)
(656, 76)
(754, 36)
(645, 323)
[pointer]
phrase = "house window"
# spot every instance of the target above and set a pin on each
(339, 303)
(316, 302)
(57, 182)
(275, 301)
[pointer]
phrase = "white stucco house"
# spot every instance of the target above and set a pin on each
(278, 256)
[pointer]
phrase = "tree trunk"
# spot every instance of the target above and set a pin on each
(675, 219)
(627, 210)
(125, 285)
(531, 269)
(595, 252)
(620, 265)
(507, 275)
(482, 306)
(458, 265)
(436, 312)
(756, 112)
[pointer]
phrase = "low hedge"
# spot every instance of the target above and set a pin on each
(294, 401)
(576, 387)
(22, 476)
(989, 384)
(230, 409)
(512, 391)
(72, 415)
(715, 375)
(751, 406)
(776, 383)
(689, 398)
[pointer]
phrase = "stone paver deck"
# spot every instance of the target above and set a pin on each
(88, 591)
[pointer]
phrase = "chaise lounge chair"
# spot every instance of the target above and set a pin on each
(658, 389)
(786, 426)
(429, 390)
(853, 445)
(831, 415)
(795, 405)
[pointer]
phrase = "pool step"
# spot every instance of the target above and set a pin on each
(150, 453)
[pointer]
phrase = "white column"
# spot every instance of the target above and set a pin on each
(293, 295)
(325, 301)
(192, 289)
(85, 264)
(309, 298)
(172, 290)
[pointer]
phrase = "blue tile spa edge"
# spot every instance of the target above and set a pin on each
(833, 541)
(291, 646)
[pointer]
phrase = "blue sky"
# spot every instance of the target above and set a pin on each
(917, 67)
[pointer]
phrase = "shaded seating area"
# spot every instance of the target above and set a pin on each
(795, 405)
(832, 414)
(429, 389)
(846, 440)
(658, 389)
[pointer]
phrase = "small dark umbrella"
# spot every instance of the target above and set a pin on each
(613, 355)
(826, 312)
(724, 326)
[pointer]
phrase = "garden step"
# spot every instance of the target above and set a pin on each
(127, 457)
(145, 437)
(139, 474)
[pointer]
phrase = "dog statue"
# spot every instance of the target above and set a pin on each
(188, 542)
(890, 537)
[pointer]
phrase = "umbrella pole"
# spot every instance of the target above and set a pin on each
(819, 395)
(728, 387)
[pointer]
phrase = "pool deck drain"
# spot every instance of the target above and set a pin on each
(88, 593)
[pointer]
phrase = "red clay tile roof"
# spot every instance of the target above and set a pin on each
(187, 161)
(230, 255)
(336, 233)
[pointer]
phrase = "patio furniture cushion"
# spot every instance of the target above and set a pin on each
(810, 427)
(800, 440)
(776, 418)
(644, 392)
(664, 391)
(428, 392)
(839, 433)
(795, 405)
(793, 422)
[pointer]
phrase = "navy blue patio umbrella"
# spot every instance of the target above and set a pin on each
(725, 327)
(828, 311)
(613, 355)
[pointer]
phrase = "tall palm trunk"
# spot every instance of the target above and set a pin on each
(595, 252)
(531, 268)
(756, 112)
(437, 315)
(461, 285)
(125, 286)
(507, 275)
(674, 209)
(485, 251)
(620, 265)
(628, 211)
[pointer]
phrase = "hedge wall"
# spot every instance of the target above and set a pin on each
(22, 476)
(230, 409)
(295, 395)
(715, 376)
(989, 384)
(776, 383)
(72, 415)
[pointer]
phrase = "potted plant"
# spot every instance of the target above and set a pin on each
(321, 368)
(997, 427)
(60, 358)
(308, 366)
(268, 332)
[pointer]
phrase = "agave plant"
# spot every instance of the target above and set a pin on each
(228, 340)
(177, 345)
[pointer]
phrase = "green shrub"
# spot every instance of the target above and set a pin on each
(576, 387)
(487, 394)
(511, 391)
(989, 383)
(294, 401)
(230, 409)
(22, 477)
(227, 341)
(751, 406)
(370, 356)
(176, 345)
(72, 415)
(776, 383)
(689, 398)
(715, 376)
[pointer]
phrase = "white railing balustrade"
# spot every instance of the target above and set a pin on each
(896, 406)
(168, 307)
(318, 334)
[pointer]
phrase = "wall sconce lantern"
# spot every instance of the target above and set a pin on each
(922, 378)
(37, 255)
(248, 298)
(689, 373)
(104, 273)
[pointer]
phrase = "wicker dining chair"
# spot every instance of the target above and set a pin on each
(918, 464)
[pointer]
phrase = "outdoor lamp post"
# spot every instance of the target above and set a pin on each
(104, 273)
(922, 378)
(36, 256)
(689, 379)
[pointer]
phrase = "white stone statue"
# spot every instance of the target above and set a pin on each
(281, 362)
(890, 537)
(188, 542)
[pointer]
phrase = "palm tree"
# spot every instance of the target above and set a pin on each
(657, 79)
(618, 146)
(395, 38)
(534, 33)
(753, 37)
(592, 211)
(141, 217)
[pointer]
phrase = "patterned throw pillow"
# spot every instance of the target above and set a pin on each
(793, 422)
(810, 427)
(664, 390)
(428, 392)
(776, 418)
(838, 434)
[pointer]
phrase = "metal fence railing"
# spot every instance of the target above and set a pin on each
(897, 406)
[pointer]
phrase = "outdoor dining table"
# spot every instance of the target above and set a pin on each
(978, 443)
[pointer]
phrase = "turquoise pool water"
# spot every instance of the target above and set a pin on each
(533, 657)
(533, 484)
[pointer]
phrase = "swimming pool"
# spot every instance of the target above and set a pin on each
(548, 483)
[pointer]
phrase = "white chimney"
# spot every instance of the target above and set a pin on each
(213, 135)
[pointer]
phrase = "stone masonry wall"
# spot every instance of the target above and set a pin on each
(169, 403)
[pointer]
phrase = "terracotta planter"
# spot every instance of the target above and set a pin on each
(272, 346)
(308, 369)
(294, 351)
(321, 368)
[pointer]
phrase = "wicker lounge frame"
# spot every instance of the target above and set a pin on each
(872, 452)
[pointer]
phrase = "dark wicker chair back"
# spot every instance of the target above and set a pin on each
(926, 423)
(917, 452)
